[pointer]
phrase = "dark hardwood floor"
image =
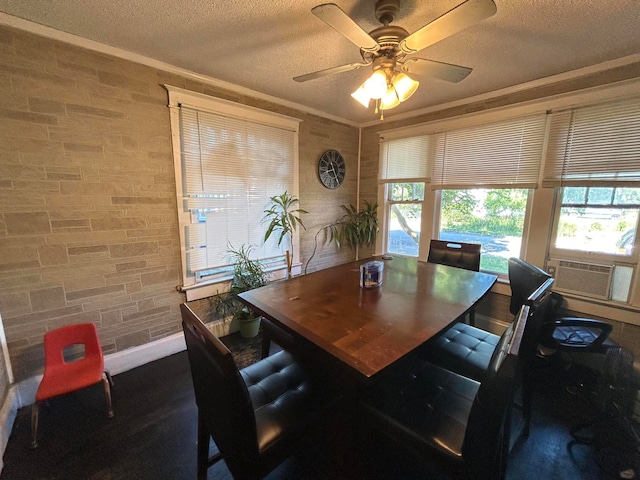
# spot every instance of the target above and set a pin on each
(153, 436)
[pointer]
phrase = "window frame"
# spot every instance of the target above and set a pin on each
(600, 257)
(193, 286)
(389, 202)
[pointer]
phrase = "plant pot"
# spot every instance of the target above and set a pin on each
(250, 327)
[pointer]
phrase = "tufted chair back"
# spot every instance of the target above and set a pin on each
(486, 440)
(455, 254)
(257, 416)
(222, 397)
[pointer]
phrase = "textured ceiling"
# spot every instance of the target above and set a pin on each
(261, 45)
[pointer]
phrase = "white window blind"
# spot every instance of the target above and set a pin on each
(502, 154)
(230, 168)
(405, 159)
(595, 145)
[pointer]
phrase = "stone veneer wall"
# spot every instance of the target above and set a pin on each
(88, 225)
(496, 305)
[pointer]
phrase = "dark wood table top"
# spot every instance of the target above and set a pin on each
(369, 329)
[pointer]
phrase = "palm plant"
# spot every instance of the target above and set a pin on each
(355, 229)
(283, 217)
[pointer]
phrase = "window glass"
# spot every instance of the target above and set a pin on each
(492, 217)
(598, 219)
(405, 216)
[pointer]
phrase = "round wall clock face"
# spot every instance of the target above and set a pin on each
(331, 169)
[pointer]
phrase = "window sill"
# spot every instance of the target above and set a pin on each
(212, 287)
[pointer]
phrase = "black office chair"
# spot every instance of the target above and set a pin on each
(256, 416)
(456, 254)
(459, 423)
(564, 339)
(615, 399)
(584, 335)
(558, 333)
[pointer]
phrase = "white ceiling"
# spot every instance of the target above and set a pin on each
(262, 44)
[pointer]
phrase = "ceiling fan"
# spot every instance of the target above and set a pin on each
(386, 49)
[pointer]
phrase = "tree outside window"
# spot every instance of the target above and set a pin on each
(493, 218)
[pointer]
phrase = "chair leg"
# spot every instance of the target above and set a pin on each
(266, 345)
(527, 404)
(203, 449)
(109, 378)
(107, 395)
(505, 446)
(35, 414)
(472, 317)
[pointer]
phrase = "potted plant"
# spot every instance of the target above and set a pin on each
(355, 229)
(248, 274)
(283, 217)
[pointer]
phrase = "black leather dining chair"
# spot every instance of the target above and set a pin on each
(524, 279)
(256, 416)
(467, 350)
(456, 254)
(458, 423)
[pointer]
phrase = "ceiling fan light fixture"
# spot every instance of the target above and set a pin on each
(404, 86)
(376, 85)
(390, 99)
(362, 96)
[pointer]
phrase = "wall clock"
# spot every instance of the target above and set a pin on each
(331, 169)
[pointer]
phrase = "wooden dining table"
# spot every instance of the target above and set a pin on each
(369, 329)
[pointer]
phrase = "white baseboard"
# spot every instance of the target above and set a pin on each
(115, 362)
(118, 362)
(24, 393)
(8, 414)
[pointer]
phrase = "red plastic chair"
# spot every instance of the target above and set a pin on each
(62, 376)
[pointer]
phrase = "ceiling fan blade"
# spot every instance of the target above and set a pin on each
(455, 20)
(429, 68)
(335, 17)
(330, 71)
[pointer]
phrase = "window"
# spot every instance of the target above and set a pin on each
(598, 219)
(492, 217)
(230, 159)
(593, 161)
(480, 174)
(405, 214)
(403, 174)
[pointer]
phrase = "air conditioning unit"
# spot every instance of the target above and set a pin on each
(589, 279)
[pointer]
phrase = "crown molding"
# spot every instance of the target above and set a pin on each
(48, 32)
(541, 82)
(52, 33)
